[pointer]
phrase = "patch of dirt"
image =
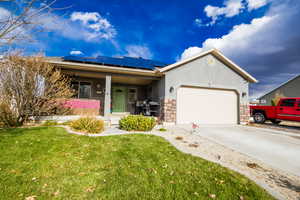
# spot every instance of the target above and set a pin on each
(179, 138)
(193, 145)
(252, 165)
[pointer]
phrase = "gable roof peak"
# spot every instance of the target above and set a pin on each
(217, 54)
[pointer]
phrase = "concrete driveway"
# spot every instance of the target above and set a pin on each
(276, 148)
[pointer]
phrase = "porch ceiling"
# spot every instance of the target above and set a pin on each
(116, 78)
(130, 80)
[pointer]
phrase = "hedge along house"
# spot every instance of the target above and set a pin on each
(205, 89)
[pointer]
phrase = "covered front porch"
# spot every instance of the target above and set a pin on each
(111, 94)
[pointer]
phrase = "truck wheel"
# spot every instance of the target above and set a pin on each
(259, 118)
(275, 121)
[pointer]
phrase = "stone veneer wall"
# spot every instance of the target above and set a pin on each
(244, 114)
(168, 111)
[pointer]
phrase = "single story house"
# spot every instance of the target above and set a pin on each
(291, 88)
(205, 89)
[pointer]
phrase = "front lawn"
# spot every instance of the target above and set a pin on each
(49, 163)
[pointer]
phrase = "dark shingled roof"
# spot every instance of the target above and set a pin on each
(130, 62)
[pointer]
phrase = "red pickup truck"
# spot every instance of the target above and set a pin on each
(286, 109)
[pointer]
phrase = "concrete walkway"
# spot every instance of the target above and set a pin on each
(278, 149)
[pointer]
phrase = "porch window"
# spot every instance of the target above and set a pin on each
(82, 89)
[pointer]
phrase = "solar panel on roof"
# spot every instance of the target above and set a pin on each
(138, 63)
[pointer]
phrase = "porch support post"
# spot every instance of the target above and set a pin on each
(107, 99)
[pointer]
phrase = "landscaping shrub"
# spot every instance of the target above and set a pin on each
(50, 123)
(137, 123)
(31, 87)
(8, 118)
(88, 125)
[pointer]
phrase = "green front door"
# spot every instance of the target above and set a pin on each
(119, 99)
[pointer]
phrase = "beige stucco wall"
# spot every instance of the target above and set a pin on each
(208, 72)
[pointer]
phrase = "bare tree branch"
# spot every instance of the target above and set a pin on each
(30, 86)
(18, 24)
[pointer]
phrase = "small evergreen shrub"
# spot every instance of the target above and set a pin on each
(50, 123)
(88, 125)
(137, 123)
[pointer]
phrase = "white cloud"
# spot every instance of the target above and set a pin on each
(86, 26)
(19, 33)
(97, 26)
(240, 37)
(90, 27)
(267, 47)
(4, 13)
(230, 9)
(255, 4)
(138, 51)
(198, 22)
(86, 17)
(75, 52)
(191, 51)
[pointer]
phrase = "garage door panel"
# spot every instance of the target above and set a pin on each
(206, 106)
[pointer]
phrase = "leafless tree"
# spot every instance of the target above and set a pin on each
(30, 86)
(21, 20)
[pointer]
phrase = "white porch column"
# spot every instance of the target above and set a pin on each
(107, 99)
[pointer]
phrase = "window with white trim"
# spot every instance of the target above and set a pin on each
(82, 89)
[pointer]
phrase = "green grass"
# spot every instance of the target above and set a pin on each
(162, 130)
(50, 123)
(49, 163)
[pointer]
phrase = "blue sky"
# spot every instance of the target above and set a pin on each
(262, 36)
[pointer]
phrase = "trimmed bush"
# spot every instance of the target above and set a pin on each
(88, 125)
(50, 123)
(8, 118)
(137, 123)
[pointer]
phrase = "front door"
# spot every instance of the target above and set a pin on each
(119, 99)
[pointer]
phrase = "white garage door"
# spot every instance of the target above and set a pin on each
(206, 106)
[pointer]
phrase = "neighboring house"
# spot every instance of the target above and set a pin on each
(291, 88)
(205, 89)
